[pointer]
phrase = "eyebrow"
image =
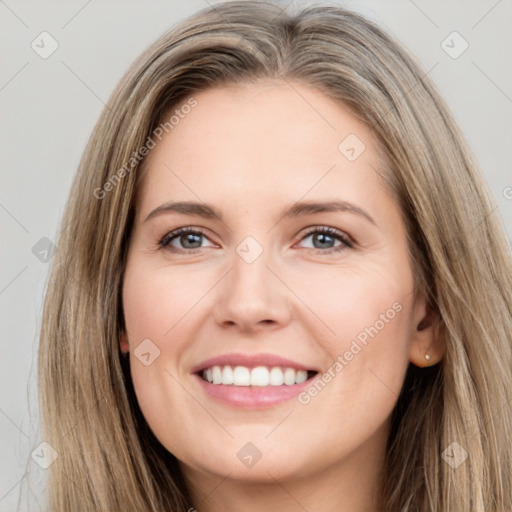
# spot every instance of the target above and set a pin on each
(296, 210)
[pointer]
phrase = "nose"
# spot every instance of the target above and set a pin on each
(252, 297)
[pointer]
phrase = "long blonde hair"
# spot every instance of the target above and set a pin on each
(109, 459)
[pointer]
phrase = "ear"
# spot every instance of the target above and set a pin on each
(427, 345)
(125, 347)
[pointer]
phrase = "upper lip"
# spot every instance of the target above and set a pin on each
(250, 361)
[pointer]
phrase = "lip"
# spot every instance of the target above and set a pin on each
(250, 397)
(251, 361)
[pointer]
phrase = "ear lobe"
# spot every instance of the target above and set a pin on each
(427, 343)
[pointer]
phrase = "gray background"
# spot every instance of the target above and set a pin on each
(49, 107)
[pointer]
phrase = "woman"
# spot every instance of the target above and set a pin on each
(254, 371)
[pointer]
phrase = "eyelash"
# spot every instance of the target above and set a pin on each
(346, 242)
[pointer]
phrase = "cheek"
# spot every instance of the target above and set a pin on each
(368, 313)
(158, 305)
(366, 303)
(156, 301)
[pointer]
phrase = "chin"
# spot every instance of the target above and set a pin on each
(248, 461)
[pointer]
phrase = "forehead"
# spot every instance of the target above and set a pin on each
(271, 141)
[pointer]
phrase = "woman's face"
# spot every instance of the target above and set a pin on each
(224, 323)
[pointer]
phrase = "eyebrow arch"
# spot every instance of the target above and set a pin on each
(296, 210)
(310, 207)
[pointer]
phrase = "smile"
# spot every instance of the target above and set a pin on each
(259, 376)
(252, 381)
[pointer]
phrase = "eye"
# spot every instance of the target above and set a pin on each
(324, 237)
(188, 238)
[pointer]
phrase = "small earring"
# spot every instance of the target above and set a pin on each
(427, 357)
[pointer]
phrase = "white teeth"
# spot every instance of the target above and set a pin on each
(289, 376)
(276, 377)
(241, 376)
(302, 376)
(217, 375)
(227, 375)
(260, 376)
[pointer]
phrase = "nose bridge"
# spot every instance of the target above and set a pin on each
(251, 277)
(251, 293)
(251, 265)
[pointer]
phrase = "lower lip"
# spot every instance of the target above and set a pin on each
(251, 397)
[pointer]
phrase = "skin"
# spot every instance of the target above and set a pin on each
(251, 151)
